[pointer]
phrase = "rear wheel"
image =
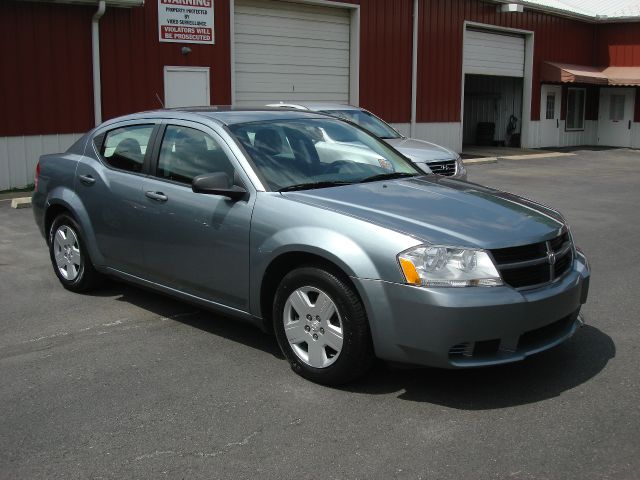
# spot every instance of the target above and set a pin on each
(69, 257)
(322, 327)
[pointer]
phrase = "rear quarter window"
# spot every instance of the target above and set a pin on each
(124, 148)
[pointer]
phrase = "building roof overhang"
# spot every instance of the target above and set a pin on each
(569, 73)
(108, 3)
(591, 11)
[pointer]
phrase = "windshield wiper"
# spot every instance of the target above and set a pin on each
(312, 185)
(388, 176)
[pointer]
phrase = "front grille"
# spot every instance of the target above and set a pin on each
(535, 264)
(461, 350)
(446, 168)
(530, 340)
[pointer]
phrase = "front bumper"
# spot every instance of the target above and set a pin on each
(472, 327)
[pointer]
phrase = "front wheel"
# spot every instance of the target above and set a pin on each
(321, 326)
(69, 256)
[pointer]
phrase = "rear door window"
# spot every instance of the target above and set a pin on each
(125, 148)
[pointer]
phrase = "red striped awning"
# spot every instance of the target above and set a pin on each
(569, 73)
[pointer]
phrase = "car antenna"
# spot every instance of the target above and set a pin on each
(159, 100)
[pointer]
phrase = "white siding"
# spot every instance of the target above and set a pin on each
(403, 128)
(493, 54)
(19, 156)
(588, 136)
(447, 134)
(285, 51)
(635, 134)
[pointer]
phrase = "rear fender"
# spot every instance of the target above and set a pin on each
(68, 199)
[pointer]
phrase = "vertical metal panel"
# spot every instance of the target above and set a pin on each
(440, 50)
(133, 59)
(488, 53)
(618, 44)
(19, 155)
(385, 58)
(45, 59)
(291, 52)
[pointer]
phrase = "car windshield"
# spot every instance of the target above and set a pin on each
(366, 120)
(316, 153)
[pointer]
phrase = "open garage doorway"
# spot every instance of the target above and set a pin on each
(492, 111)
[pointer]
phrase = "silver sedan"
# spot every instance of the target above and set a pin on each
(344, 260)
(429, 157)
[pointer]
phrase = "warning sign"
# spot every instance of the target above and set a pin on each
(185, 21)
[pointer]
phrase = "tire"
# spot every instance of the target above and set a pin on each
(69, 256)
(322, 327)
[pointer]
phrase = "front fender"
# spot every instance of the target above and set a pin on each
(326, 243)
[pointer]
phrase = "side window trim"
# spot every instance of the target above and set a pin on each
(159, 137)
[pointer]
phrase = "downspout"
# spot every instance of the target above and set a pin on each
(414, 70)
(95, 57)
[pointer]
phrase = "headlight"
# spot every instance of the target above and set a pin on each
(460, 168)
(437, 266)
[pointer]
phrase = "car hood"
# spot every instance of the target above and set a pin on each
(441, 211)
(420, 150)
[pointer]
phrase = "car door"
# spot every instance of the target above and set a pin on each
(196, 243)
(109, 183)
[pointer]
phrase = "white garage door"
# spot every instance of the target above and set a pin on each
(493, 54)
(287, 51)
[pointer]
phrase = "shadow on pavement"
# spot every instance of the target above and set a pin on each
(227, 327)
(539, 377)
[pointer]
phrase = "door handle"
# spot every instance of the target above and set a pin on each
(557, 123)
(157, 196)
(629, 126)
(87, 179)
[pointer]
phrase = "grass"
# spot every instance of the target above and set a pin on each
(26, 188)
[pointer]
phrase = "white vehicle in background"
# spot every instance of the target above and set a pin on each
(427, 156)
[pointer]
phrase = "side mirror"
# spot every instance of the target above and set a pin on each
(217, 184)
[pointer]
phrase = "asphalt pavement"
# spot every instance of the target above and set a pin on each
(125, 383)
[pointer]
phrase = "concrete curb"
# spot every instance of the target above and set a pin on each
(528, 156)
(480, 161)
(533, 156)
(24, 202)
(12, 195)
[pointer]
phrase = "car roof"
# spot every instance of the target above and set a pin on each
(226, 115)
(315, 106)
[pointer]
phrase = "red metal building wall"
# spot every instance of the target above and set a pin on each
(618, 45)
(45, 68)
(45, 58)
(386, 29)
(133, 59)
(440, 52)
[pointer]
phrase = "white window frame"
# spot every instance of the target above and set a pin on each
(584, 111)
(172, 68)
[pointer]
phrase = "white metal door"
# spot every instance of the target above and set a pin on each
(186, 86)
(289, 51)
(615, 116)
(488, 53)
(550, 98)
